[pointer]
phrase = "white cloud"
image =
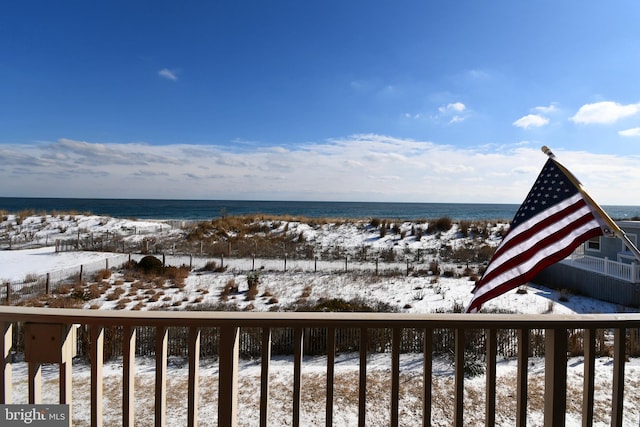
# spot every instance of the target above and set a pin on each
(453, 107)
(531, 120)
(551, 108)
(630, 132)
(604, 112)
(365, 167)
(168, 74)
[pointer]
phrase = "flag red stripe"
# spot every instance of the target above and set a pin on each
(499, 289)
(525, 231)
(526, 271)
(543, 238)
(519, 245)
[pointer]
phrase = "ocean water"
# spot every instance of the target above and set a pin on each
(210, 209)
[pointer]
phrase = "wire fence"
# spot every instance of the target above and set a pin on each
(33, 285)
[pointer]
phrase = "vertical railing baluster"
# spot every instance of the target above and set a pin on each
(523, 374)
(35, 382)
(128, 375)
(298, 342)
(395, 375)
(362, 384)
(97, 359)
(264, 376)
(5, 352)
(617, 400)
(459, 378)
(589, 376)
(331, 361)
(194, 376)
(490, 389)
(427, 375)
(555, 376)
(65, 384)
(228, 350)
(161, 376)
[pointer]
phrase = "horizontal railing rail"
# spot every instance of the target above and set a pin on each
(45, 349)
(621, 270)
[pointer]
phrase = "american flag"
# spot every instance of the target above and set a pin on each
(554, 219)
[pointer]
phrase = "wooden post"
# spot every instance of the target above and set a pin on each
(555, 382)
(8, 292)
(228, 376)
(46, 285)
(81, 268)
(5, 363)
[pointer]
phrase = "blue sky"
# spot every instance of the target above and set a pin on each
(335, 100)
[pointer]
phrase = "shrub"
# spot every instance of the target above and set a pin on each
(354, 305)
(102, 275)
(210, 266)
(443, 224)
(150, 265)
(115, 294)
(434, 267)
(253, 280)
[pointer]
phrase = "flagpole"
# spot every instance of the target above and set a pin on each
(614, 227)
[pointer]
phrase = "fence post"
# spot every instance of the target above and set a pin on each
(163, 260)
(106, 264)
(606, 266)
(634, 272)
(221, 260)
(46, 285)
(8, 292)
(190, 262)
(346, 258)
(315, 264)
(81, 268)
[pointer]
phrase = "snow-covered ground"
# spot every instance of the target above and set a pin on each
(411, 294)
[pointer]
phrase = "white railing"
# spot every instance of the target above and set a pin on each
(624, 271)
(49, 338)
